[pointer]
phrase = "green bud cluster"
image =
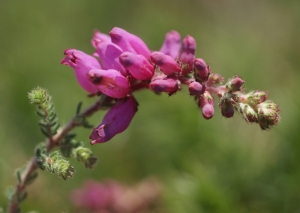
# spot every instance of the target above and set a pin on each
(255, 107)
(69, 147)
(45, 109)
(55, 163)
(85, 155)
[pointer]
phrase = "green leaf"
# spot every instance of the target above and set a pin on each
(54, 128)
(86, 124)
(10, 191)
(22, 196)
(78, 109)
(45, 132)
(18, 173)
(52, 117)
(31, 178)
(41, 113)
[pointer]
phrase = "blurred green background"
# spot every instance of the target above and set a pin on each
(220, 165)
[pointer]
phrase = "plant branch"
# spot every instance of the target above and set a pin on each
(50, 144)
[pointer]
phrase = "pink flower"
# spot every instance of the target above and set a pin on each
(109, 54)
(116, 120)
(99, 37)
(169, 85)
(166, 63)
(227, 108)
(235, 84)
(129, 42)
(110, 82)
(95, 196)
(82, 64)
(187, 54)
(138, 66)
(195, 88)
(201, 69)
(206, 103)
(172, 44)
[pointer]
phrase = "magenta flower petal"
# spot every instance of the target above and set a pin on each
(138, 66)
(99, 37)
(82, 63)
(172, 44)
(110, 82)
(169, 85)
(116, 120)
(129, 42)
(187, 55)
(166, 63)
(109, 54)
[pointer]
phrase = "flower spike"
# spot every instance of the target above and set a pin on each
(127, 65)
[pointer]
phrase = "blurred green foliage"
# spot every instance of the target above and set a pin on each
(220, 165)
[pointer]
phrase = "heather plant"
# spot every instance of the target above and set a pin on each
(121, 66)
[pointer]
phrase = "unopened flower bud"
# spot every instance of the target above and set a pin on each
(138, 66)
(268, 114)
(235, 84)
(254, 97)
(116, 120)
(214, 79)
(169, 85)
(187, 55)
(129, 42)
(81, 63)
(84, 155)
(110, 82)
(227, 108)
(99, 37)
(201, 70)
(172, 44)
(55, 163)
(249, 114)
(109, 54)
(206, 103)
(166, 63)
(195, 88)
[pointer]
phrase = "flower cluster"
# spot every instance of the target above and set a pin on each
(124, 64)
(111, 196)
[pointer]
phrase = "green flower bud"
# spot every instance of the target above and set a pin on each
(249, 114)
(85, 155)
(254, 97)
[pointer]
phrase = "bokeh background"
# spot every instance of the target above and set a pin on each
(220, 165)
